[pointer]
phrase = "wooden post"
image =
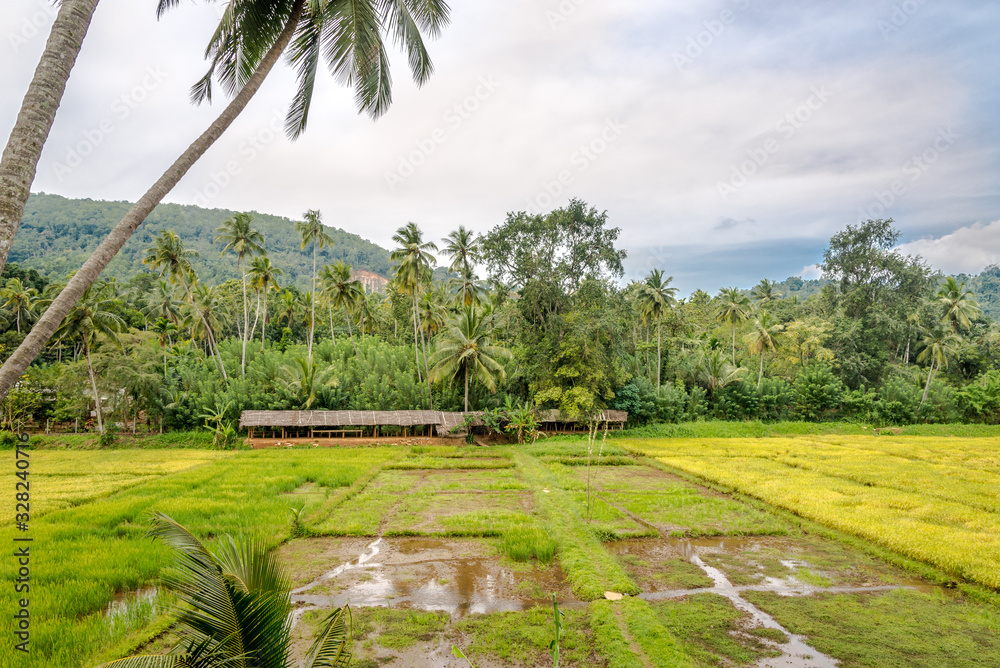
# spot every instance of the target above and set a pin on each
(46, 426)
(76, 425)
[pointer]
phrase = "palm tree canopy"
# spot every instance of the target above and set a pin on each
(347, 35)
(462, 248)
(240, 236)
(734, 306)
(762, 336)
(413, 257)
(263, 274)
(312, 230)
(169, 256)
(467, 345)
(764, 291)
(655, 296)
(94, 314)
(959, 304)
(342, 290)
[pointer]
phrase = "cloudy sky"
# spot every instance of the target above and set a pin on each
(728, 139)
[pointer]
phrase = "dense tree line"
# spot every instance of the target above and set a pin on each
(885, 340)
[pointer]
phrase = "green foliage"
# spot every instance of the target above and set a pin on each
(979, 401)
(58, 234)
(817, 392)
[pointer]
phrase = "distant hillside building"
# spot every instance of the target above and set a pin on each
(372, 281)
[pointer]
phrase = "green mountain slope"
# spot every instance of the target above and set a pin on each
(58, 234)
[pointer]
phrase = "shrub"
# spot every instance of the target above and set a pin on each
(817, 392)
(979, 401)
(672, 403)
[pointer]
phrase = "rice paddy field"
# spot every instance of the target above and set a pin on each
(795, 550)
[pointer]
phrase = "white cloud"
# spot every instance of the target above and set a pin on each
(811, 272)
(966, 250)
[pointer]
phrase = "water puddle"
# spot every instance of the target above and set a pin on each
(771, 564)
(452, 576)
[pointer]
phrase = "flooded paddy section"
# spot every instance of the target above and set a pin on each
(457, 577)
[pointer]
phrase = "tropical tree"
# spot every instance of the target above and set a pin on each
(764, 292)
(761, 338)
(95, 314)
(20, 299)
(169, 256)
(234, 608)
(343, 292)
(462, 247)
(263, 279)
(656, 297)
(313, 233)
(466, 347)
(305, 380)
(242, 239)
(734, 310)
(249, 41)
(161, 302)
(939, 345)
(959, 304)
(38, 112)
(165, 330)
(413, 268)
(714, 371)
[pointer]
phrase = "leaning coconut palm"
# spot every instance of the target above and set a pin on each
(38, 112)
(762, 337)
(313, 233)
(240, 237)
(413, 270)
(249, 41)
(235, 609)
(466, 347)
(939, 345)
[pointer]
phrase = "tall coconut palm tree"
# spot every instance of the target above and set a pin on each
(734, 310)
(242, 239)
(250, 39)
(92, 316)
(165, 331)
(38, 112)
(960, 305)
(305, 379)
(234, 608)
(463, 248)
(20, 299)
(939, 345)
(656, 298)
(466, 347)
(169, 256)
(263, 279)
(413, 268)
(343, 292)
(313, 233)
(761, 338)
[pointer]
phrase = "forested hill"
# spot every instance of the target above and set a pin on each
(58, 234)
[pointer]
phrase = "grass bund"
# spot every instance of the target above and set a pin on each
(524, 510)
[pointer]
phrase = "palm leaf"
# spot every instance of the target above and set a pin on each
(331, 647)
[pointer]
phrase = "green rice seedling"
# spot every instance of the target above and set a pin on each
(526, 542)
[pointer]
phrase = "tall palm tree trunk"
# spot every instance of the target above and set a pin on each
(256, 319)
(46, 326)
(466, 388)
(416, 342)
(347, 317)
(659, 357)
(734, 344)
(312, 313)
(760, 374)
(427, 370)
(263, 322)
(93, 386)
(246, 323)
(38, 112)
(927, 387)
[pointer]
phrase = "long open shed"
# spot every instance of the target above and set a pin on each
(344, 424)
